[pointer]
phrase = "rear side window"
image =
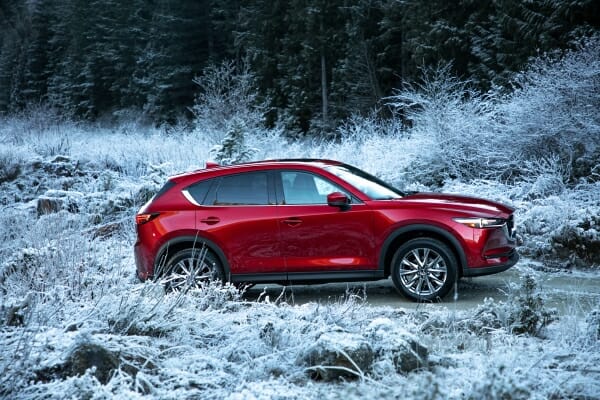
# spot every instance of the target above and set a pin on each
(242, 189)
(198, 191)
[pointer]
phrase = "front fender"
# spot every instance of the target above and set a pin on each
(390, 243)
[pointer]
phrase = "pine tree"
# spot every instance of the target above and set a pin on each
(36, 70)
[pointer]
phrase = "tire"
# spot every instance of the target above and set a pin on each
(424, 269)
(191, 268)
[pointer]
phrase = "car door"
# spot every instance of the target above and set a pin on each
(239, 213)
(316, 237)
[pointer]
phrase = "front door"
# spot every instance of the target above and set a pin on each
(316, 237)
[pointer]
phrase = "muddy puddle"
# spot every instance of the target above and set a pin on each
(570, 292)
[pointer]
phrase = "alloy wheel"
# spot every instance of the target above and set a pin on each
(423, 271)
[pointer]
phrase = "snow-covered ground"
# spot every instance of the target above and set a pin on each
(68, 293)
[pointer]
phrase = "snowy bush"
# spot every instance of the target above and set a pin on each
(550, 112)
(549, 121)
(580, 240)
(488, 317)
(527, 313)
(227, 93)
(233, 148)
(457, 127)
(11, 163)
(499, 385)
(593, 325)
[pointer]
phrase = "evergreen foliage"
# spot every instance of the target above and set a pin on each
(233, 149)
(315, 62)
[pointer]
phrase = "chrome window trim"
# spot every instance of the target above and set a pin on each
(189, 197)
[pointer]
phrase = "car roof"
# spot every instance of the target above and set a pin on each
(284, 162)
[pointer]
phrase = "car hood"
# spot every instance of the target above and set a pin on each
(460, 203)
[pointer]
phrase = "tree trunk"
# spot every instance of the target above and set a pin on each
(324, 101)
(324, 89)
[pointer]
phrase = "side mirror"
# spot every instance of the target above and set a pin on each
(338, 199)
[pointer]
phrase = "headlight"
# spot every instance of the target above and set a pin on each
(480, 223)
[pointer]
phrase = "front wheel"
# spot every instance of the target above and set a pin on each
(191, 268)
(424, 269)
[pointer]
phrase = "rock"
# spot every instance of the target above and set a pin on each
(60, 159)
(106, 231)
(60, 166)
(16, 314)
(87, 355)
(81, 358)
(405, 350)
(338, 354)
(55, 200)
(48, 205)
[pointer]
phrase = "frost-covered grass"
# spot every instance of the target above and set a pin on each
(213, 344)
(64, 283)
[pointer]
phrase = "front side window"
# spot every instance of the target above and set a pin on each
(242, 189)
(305, 188)
(373, 187)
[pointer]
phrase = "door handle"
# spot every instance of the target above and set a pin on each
(210, 220)
(292, 221)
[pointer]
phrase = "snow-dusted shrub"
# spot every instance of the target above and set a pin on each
(581, 241)
(37, 120)
(140, 312)
(233, 148)
(523, 313)
(550, 120)
(338, 354)
(499, 384)
(21, 265)
(546, 185)
(456, 126)
(526, 311)
(553, 109)
(593, 325)
(11, 163)
(487, 317)
(395, 346)
(227, 92)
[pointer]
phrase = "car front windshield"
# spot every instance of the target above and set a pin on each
(373, 187)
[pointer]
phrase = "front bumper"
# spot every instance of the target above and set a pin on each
(511, 259)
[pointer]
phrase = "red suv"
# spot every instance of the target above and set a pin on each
(317, 221)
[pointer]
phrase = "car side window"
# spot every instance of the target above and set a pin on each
(305, 188)
(198, 191)
(242, 189)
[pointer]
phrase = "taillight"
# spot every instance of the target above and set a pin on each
(141, 219)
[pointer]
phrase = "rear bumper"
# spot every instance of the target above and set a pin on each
(142, 261)
(506, 262)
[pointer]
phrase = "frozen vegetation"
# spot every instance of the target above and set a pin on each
(69, 299)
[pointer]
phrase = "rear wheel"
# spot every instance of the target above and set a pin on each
(191, 268)
(424, 269)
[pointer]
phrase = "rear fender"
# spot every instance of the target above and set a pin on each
(188, 241)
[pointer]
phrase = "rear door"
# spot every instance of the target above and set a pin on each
(316, 237)
(239, 213)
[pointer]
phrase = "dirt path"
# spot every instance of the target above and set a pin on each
(575, 292)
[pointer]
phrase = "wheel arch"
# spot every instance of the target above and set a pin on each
(174, 245)
(408, 232)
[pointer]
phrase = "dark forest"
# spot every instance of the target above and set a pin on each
(313, 62)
